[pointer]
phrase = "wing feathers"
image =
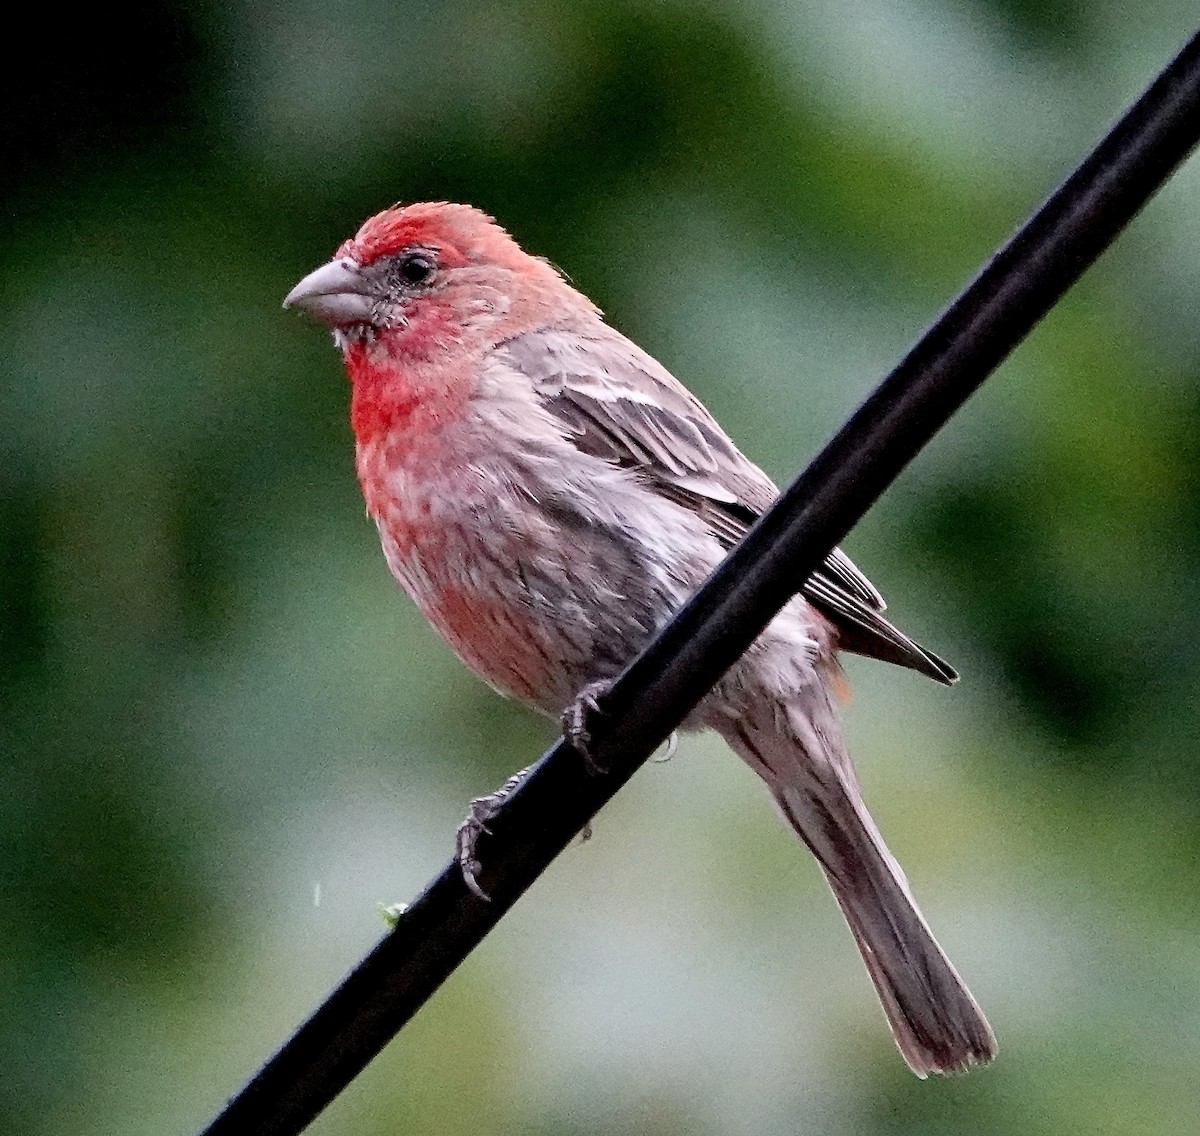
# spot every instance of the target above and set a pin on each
(619, 404)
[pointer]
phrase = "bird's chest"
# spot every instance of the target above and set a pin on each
(458, 542)
(432, 512)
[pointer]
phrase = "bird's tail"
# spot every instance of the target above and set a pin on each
(798, 751)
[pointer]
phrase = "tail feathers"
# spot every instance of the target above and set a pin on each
(936, 1022)
(796, 747)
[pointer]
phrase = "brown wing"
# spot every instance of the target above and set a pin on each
(619, 404)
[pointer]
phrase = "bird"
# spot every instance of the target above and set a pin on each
(548, 494)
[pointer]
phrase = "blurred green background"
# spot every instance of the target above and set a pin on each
(225, 735)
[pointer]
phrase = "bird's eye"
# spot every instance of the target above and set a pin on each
(415, 268)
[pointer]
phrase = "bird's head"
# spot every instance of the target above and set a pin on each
(423, 275)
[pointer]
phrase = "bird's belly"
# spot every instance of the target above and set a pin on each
(535, 612)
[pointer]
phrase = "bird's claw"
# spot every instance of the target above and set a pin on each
(575, 722)
(575, 729)
(465, 839)
(672, 746)
(475, 825)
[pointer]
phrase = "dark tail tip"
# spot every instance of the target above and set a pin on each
(938, 1028)
(947, 1055)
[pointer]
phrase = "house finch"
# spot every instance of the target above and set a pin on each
(548, 495)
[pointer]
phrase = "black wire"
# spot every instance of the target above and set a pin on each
(1019, 285)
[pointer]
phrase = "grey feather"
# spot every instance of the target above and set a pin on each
(617, 403)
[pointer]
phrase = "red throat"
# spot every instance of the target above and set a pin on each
(379, 399)
(394, 392)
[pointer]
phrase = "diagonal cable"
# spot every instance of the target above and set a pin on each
(653, 695)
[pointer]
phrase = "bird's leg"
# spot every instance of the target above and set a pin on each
(575, 729)
(575, 722)
(475, 825)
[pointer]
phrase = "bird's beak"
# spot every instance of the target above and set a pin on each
(338, 294)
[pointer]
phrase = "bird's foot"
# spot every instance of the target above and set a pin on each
(575, 722)
(475, 825)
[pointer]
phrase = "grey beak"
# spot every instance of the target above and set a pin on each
(338, 294)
